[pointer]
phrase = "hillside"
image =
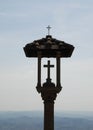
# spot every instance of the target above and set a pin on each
(34, 121)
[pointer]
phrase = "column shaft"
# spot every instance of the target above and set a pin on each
(58, 71)
(49, 115)
(39, 71)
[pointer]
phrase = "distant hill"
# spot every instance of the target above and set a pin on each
(34, 121)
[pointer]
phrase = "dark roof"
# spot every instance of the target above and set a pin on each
(48, 47)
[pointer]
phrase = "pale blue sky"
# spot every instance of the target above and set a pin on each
(23, 21)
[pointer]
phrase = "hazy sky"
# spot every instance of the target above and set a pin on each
(23, 21)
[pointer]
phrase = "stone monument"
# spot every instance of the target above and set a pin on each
(48, 47)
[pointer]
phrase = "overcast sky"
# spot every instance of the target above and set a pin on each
(22, 22)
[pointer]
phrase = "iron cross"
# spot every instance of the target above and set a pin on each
(48, 29)
(48, 68)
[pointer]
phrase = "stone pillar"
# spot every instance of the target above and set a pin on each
(58, 70)
(38, 87)
(49, 115)
(39, 71)
(49, 93)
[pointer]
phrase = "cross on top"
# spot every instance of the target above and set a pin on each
(48, 69)
(48, 29)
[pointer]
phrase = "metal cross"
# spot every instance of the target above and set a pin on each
(48, 29)
(48, 68)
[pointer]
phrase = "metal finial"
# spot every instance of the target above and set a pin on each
(48, 29)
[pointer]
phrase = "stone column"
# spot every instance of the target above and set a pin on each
(39, 71)
(38, 87)
(49, 93)
(48, 115)
(58, 70)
